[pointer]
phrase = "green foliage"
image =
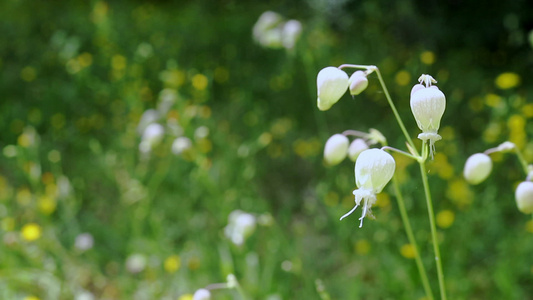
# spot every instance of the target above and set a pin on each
(76, 77)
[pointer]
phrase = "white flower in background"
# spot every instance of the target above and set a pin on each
(202, 294)
(266, 30)
(152, 136)
(428, 104)
(84, 241)
(477, 168)
(136, 263)
(84, 295)
(167, 98)
(201, 132)
(336, 149)
(271, 31)
(148, 117)
(240, 226)
(356, 147)
(290, 34)
(358, 83)
(374, 168)
(524, 197)
(331, 84)
(181, 144)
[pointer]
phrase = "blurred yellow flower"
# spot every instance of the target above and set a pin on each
(172, 263)
(362, 247)
(199, 82)
(24, 196)
(24, 140)
(402, 78)
(31, 298)
(186, 297)
(507, 80)
(47, 204)
(427, 57)
(8, 224)
(408, 251)
(445, 218)
(31, 232)
(459, 192)
(28, 74)
(493, 100)
(529, 226)
(527, 110)
(331, 199)
(118, 62)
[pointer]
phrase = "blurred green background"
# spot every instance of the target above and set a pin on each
(87, 212)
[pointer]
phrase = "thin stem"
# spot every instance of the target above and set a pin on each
(411, 238)
(433, 228)
(356, 133)
(393, 107)
(522, 160)
(400, 151)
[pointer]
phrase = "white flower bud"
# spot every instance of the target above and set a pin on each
(336, 149)
(358, 83)
(374, 168)
(356, 147)
(524, 197)
(136, 263)
(202, 294)
(428, 105)
(241, 225)
(477, 168)
(181, 144)
(331, 83)
(153, 134)
(291, 32)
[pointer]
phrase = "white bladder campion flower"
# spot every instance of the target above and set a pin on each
(240, 226)
(524, 197)
(428, 104)
(374, 168)
(358, 83)
(336, 149)
(477, 168)
(202, 294)
(331, 84)
(152, 136)
(356, 147)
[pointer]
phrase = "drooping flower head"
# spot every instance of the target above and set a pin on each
(374, 168)
(524, 197)
(356, 147)
(428, 104)
(336, 149)
(331, 84)
(477, 168)
(358, 83)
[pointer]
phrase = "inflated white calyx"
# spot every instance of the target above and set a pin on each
(336, 149)
(524, 197)
(202, 294)
(477, 168)
(356, 147)
(428, 104)
(358, 83)
(374, 168)
(331, 84)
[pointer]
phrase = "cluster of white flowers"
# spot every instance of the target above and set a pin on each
(272, 31)
(374, 168)
(479, 166)
(240, 226)
(152, 130)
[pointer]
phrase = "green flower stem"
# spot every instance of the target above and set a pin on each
(393, 107)
(389, 99)
(399, 151)
(433, 227)
(522, 160)
(411, 238)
